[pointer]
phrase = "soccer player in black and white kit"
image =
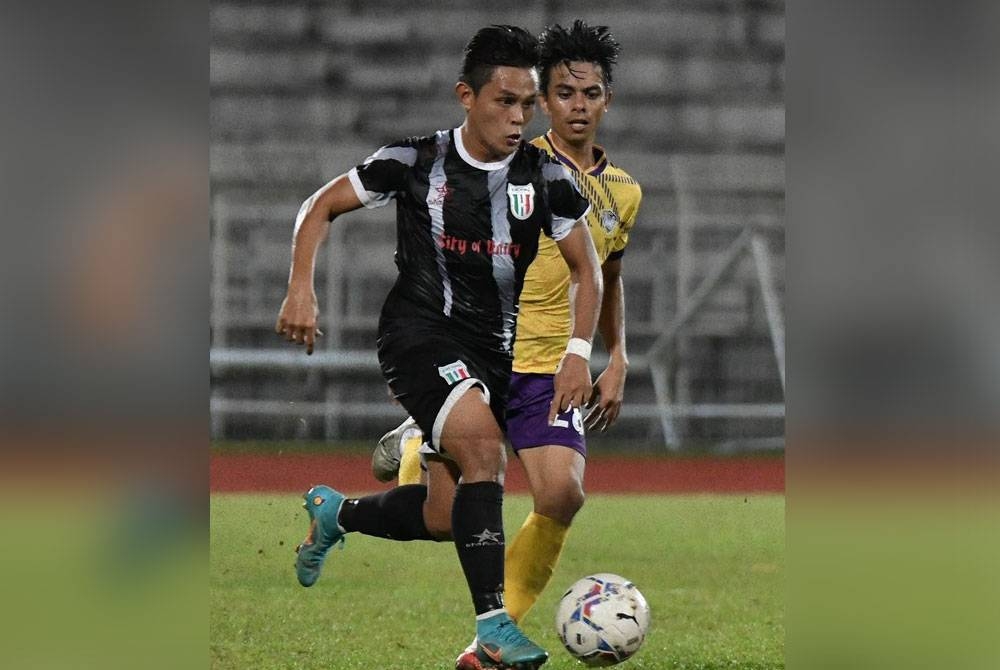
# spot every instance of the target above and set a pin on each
(470, 202)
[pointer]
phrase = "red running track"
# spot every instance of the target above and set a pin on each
(626, 474)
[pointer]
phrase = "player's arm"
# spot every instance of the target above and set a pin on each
(609, 388)
(572, 380)
(300, 310)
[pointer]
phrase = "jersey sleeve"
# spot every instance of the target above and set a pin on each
(383, 174)
(620, 241)
(566, 203)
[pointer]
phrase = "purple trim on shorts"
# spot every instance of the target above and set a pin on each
(528, 416)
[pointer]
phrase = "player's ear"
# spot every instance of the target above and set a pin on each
(465, 95)
(607, 99)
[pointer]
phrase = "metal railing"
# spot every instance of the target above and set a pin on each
(658, 363)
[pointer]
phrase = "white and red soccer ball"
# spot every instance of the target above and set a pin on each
(602, 619)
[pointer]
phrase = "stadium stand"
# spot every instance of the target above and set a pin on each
(302, 90)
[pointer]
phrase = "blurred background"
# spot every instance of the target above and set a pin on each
(301, 91)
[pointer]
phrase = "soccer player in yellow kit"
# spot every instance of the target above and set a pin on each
(575, 83)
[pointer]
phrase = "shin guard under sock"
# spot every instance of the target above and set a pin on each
(477, 526)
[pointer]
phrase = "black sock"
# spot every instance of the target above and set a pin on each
(477, 526)
(396, 514)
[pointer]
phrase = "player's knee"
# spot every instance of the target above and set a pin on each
(560, 502)
(484, 460)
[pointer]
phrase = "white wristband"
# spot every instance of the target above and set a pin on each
(578, 346)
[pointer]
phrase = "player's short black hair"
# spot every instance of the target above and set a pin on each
(589, 44)
(496, 46)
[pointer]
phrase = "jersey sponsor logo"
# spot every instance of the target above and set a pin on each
(441, 194)
(609, 219)
(454, 372)
(522, 200)
(482, 246)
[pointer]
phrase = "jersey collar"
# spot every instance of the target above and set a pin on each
(600, 158)
(467, 157)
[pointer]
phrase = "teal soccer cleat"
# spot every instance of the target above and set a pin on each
(323, 505)
(501, 644)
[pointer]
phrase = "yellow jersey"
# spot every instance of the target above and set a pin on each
(543, 322)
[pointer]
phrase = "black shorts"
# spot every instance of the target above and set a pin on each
(428, 374)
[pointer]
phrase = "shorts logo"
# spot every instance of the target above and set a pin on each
(522, 200)
(609, 219)
(454, 372)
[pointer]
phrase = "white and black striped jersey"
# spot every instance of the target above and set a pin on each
(466, 232)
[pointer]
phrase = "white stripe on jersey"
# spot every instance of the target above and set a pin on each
(561, 226)
(373, 199)
(503, 264)
(405, 155)
(435, 207)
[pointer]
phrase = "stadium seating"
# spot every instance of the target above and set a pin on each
(300, 91)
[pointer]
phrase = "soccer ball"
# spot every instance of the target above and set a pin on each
(602, 619)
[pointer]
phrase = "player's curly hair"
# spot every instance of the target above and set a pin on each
(589, 44)
(495, 46)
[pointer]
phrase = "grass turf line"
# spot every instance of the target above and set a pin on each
(711, 567)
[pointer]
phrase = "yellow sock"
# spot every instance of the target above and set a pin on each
(531, 557)
(409, 462)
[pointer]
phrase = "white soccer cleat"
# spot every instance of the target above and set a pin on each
(389, 450)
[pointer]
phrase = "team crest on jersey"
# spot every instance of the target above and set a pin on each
(454, 372)
(522, 200)
(609, 219)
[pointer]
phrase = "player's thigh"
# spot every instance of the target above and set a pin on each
(553, 455)
(555, 477)
(473, 438)
(435, 376)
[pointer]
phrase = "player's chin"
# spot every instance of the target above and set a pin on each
(501, 152)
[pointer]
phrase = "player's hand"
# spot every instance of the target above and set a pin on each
(606, 401)
(298, 317)
(571, 384)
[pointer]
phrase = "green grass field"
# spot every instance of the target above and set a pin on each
(711, 566)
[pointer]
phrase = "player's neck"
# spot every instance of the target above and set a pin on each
(476, 150)
(582, 154)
